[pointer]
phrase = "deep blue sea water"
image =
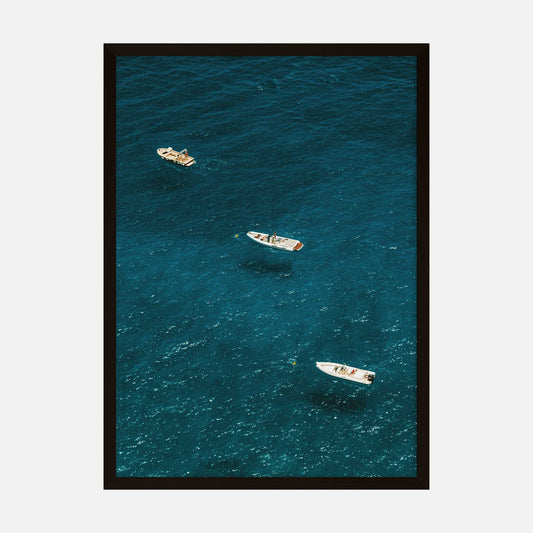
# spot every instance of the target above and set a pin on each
(217, 337)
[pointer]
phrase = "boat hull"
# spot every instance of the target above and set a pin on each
(280, 243)
(349, 373)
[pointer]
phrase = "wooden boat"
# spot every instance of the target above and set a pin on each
(181, 158)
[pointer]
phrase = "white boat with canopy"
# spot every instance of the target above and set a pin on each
(273, 241)
(181, 158)
(350, 373)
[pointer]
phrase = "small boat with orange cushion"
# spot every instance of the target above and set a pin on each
(350, 373)
(273, 241)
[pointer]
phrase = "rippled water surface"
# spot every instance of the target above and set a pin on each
(217, 337)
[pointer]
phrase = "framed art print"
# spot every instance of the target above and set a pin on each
(266, 266)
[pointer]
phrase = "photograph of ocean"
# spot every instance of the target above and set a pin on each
(216, 336)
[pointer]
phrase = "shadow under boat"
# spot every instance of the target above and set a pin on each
(337, 402)
(262, 266)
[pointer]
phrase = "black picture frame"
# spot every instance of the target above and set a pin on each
(111, 52)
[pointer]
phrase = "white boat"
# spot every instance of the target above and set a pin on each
(350, 373)
(273, 241)
(181, 158)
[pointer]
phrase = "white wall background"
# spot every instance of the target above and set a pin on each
(481, 291)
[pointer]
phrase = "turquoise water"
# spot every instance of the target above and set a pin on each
(217, 337)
